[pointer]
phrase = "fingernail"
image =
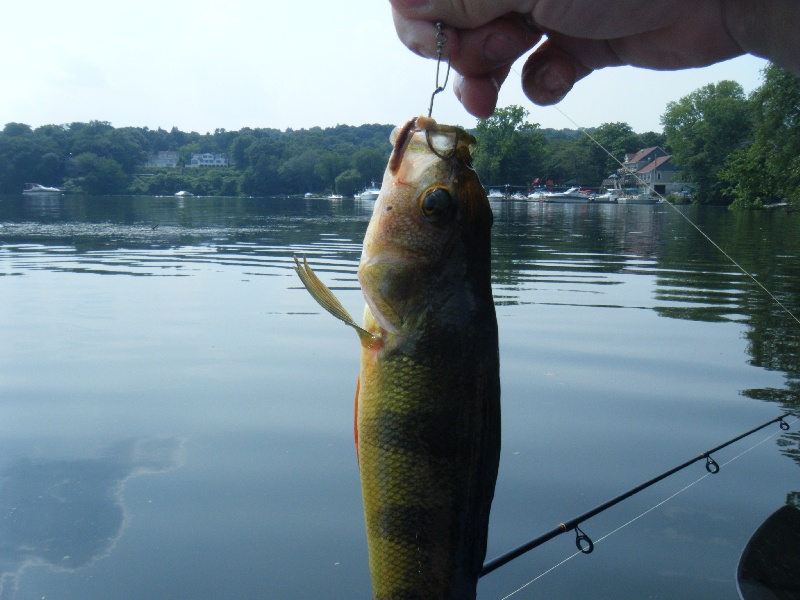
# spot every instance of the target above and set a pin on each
(499, 48)
(549, 87)
(457, 86)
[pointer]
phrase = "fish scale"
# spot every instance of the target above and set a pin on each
(428, 400)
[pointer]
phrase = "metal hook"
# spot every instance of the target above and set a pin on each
(441, 40)
(447, 156)
(580, 539)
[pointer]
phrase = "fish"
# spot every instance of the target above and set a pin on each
(427, 410)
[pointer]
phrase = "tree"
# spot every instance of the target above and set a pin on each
(15, 129)
(329, 165)
(510, 150)
(768, 170)
(569, 161)
(702, 129)
(100, 175)
(349, 182)
(370, 164)
(617, 139)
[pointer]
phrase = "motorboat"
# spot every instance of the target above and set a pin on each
(337, 197)
(37, 189)
(571, 195)
(370, 193)
(184, 193)
(609, 197)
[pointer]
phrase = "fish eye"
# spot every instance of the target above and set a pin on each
(437, 206)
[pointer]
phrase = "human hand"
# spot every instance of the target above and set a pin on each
(485, 37)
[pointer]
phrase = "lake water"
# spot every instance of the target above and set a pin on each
(176, 411)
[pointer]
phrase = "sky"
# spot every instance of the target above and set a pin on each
(202, 65)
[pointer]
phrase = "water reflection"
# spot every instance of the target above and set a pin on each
(65, 514)
(628, 343)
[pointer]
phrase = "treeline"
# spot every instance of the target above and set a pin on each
(97, 158)
(736, 149)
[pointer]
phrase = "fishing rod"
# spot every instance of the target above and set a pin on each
(582, 541)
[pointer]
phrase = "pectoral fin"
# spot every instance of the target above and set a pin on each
(320, 292)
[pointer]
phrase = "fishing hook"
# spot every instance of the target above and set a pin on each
(441, 40)
(447, 156)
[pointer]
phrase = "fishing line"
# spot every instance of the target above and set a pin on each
(783, 427)
(685, 218)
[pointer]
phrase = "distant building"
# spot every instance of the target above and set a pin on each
(164, 158)
(208, 160)
(650, 171)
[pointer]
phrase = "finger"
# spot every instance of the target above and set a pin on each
(608, 20)
(468, 14)
(478, 95)
(472, 52)
(497, 44)
(419, 36)
(549, 74)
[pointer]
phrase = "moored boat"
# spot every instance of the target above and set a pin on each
(609, 197)
(37, 189)
(369, 193)
(571, 195)
(637, 199)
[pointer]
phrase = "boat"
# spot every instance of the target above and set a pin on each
(769, 567)
(495, 194)
(637, 199)
(184, 193)
(571, 195)
(308, 195)
(337, 197)
(37, 189)
(369, 193)
(609, 197)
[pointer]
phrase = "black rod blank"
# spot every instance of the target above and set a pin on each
(711, 467)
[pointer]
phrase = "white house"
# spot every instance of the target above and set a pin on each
(208, 160)
(164, 158)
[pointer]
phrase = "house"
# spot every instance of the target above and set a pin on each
(164, 158)
(208, 159)
(636, 161)
(651, 171)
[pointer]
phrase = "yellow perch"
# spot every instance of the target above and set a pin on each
(428, 400)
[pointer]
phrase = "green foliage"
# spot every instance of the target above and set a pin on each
(99, 175)
(768, 170)
(616, 138)
(349, 182)
(510, 150)
(705, 127)
(569, 162)
(734, 149)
